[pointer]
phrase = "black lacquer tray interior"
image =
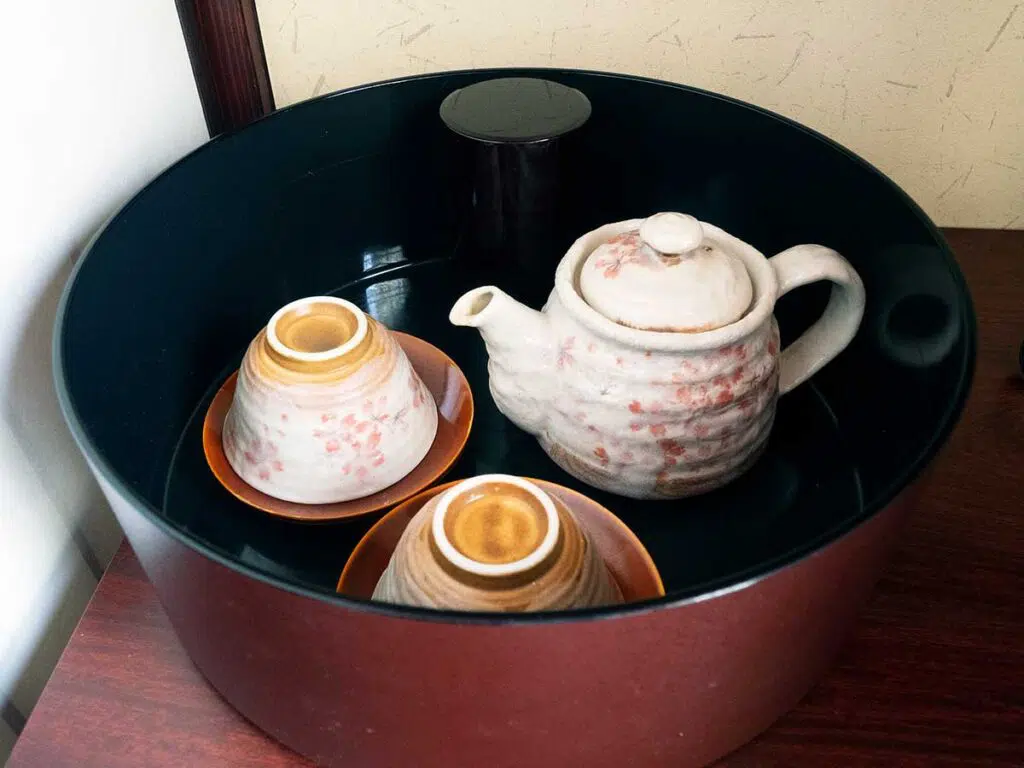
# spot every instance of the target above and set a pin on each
(363, 194)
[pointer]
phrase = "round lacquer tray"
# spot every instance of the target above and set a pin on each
(367, 195)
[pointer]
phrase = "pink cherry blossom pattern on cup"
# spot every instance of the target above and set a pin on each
(327, 406)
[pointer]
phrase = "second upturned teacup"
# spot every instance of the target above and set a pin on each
(327, 406)
(496, 543)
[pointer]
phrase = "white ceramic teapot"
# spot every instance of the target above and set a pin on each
(654, 368)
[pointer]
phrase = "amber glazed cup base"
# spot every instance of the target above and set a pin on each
(626, 558)
(450, 391)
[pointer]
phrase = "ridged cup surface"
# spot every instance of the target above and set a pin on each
(573, 575)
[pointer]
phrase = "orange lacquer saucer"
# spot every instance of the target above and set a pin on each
(454, 399)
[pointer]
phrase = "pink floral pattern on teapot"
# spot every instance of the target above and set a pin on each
(659, 413)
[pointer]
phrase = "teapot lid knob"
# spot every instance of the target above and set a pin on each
(672, 233)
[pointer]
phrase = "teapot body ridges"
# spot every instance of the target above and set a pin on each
(648, 424)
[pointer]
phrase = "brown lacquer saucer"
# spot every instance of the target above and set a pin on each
(626, 557)
(454, 399)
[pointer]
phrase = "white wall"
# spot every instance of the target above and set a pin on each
(928, 90)
(98, 98)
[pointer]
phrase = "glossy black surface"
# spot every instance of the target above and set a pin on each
(696, 543)
(515, 110)
(353, 194)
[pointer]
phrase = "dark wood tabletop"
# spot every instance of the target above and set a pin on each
(933, 676)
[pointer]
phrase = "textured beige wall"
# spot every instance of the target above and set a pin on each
(931, 91)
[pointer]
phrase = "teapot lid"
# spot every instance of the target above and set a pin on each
(666, 276)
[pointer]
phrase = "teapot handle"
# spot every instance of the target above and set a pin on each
(838, 324)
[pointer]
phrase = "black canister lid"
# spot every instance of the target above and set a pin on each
(515, 110)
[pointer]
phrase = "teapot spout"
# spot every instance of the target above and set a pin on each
(493, 311)
(519, 343)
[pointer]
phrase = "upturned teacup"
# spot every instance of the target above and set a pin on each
(327, 406)
(497, 543)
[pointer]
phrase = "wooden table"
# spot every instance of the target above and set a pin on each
(933, 677)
